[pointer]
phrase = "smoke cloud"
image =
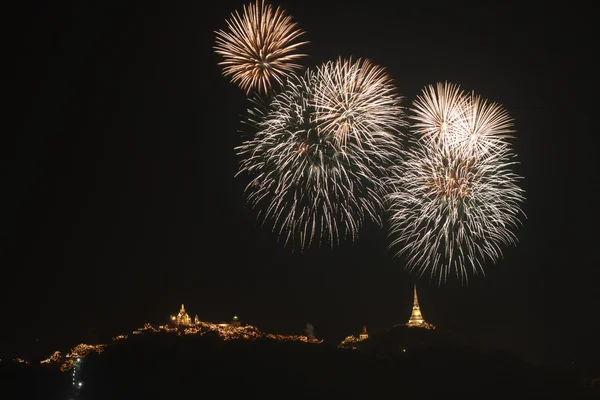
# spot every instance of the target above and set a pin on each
(309, 329)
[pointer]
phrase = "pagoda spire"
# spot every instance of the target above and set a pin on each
(416, 318)
(415, 299)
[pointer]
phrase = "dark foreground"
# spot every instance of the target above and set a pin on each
(170, 367)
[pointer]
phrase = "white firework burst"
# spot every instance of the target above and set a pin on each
(449, 214)
(444, 115)
(320, 149)
(455, 200)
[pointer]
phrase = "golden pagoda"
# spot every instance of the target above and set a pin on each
(416, 318)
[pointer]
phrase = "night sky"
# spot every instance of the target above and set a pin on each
(122, 201)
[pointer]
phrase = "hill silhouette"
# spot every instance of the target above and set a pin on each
(399, 362)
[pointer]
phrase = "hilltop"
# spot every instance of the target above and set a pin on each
(171, 364)
(191, 357)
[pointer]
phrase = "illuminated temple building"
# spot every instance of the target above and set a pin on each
(180, 324)
(416, 319)
(351, 341)
(182, 318)
(364, 334)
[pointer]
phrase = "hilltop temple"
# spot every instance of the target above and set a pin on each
(416, 319)
(182, 318)
(364, 334)
(351, 341)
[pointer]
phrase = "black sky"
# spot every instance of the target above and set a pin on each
(122, 201)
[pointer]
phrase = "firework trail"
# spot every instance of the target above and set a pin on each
(320, 149)
(259, 47)
(455, 199)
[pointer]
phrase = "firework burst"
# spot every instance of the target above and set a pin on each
(446, 116)
(455, 200)
(259, 47)
(319, 151)
(450, 213)
(355, 100)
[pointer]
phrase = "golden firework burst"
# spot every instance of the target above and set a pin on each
(259, 47)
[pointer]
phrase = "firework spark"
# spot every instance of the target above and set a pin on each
(455, 199)
(259, 47)
(320, 149)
